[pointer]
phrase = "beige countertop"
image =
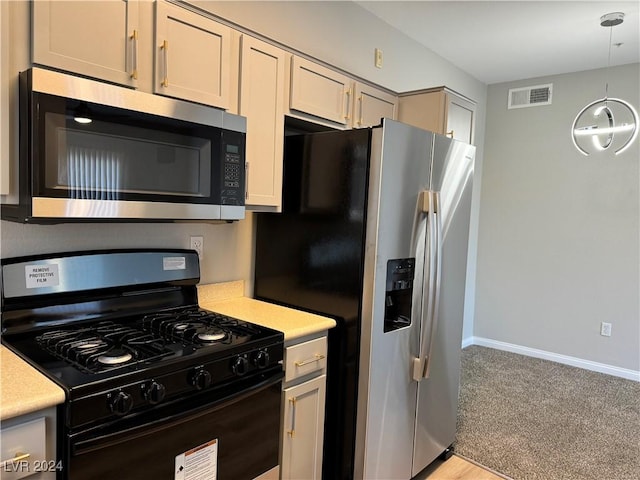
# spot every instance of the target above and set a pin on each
(22, 388)
(227, 298)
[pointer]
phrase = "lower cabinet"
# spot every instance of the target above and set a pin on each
(303, 400)
(303, 423)
(28, 446)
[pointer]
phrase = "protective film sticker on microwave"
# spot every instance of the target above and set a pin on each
(199, 463)
(174, 263)
(38, 276)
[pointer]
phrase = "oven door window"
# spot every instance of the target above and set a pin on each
(91, 151)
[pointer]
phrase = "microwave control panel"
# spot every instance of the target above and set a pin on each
(233, 174)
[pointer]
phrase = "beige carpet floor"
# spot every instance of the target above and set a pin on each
(533, 419)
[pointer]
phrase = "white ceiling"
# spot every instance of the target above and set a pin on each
(500, 41)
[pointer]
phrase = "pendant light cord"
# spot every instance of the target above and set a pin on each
(606, 83)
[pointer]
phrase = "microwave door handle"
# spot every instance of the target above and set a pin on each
(422, 234)
(435, 290)
(246, 180)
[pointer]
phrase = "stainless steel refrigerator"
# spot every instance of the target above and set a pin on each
(374, 233)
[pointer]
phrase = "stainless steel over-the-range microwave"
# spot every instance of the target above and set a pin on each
(91, 151)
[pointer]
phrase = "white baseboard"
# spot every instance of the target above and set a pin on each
(554, 357)
(467, 341)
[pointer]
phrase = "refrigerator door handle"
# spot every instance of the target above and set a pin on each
(421, 236)
(426, 252)
(435, 286)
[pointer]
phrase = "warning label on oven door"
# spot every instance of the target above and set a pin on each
(199, 463)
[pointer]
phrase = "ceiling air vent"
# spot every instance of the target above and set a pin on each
(530, 96)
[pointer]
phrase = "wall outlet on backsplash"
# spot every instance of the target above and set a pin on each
(197, 243)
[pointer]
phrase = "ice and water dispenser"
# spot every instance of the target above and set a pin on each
(399, 292)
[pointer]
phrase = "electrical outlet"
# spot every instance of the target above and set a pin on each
(197, 244)
(605, 329)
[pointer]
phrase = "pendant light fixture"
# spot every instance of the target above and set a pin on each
(606, 122)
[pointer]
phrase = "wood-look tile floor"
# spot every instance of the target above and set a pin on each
(456, 468)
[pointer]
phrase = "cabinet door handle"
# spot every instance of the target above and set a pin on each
(134, 55)
(348, 94)
(292, 432)
(450, 134)
(361, 101)
(18, 458)
(317, 357)
(165, 48)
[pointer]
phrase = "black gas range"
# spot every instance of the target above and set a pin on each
(122, 333)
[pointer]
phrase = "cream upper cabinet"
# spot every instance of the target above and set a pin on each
(439, 110)
(320, 91)
(460, 118)
(98, 39)
(262, 84)
(192, 56)
(103, 39)
(5, 135)
(322, 95)
(372, 104)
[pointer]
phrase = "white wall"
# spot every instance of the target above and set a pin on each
(559, 236)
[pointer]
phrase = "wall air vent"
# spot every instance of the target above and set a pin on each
(530, 96)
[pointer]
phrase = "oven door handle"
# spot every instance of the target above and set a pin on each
(97, 441)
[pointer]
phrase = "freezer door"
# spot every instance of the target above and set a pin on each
(437, 402)
(394, 253)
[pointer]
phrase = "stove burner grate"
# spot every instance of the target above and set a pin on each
(196, 327)
(103, 347)
(107, 345)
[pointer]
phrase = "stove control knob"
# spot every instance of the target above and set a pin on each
(261, 360)
(201, 379)
(120, 402)
(154, 393)
(240, 366)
